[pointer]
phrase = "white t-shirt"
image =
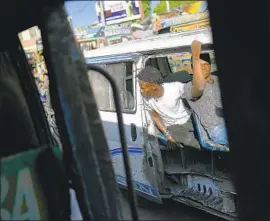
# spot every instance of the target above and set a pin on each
(170, 106)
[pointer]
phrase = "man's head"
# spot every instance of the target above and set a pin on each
(150, 80)
(206, 67)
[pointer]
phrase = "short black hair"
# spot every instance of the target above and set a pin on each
(150, 75)
(204, 57)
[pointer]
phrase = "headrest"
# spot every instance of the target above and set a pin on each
(180, 76)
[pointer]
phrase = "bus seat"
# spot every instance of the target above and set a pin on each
(180, 76)
(203, 138)
(162, 139)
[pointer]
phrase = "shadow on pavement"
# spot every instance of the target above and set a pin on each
(169, 210)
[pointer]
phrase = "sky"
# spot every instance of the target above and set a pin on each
(83, 13)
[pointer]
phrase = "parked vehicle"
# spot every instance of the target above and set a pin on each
(198, 178)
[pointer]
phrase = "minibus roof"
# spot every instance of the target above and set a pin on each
(154, 43)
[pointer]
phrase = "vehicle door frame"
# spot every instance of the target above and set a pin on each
(145, 186)
(171, 51)
(176, 50)
(153, 151)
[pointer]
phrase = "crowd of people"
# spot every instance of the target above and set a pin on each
(39, 70)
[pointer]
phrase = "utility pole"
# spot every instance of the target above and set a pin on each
(168, 5)
(102, 16)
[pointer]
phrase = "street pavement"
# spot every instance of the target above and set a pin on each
(168, 211)
(151, 211)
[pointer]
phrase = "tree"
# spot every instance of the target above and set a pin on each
(161, 7)
(146, 5)
(174, 4)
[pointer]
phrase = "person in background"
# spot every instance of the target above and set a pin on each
(165, 105)
(204, 98)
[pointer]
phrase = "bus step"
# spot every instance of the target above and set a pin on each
(211, 201)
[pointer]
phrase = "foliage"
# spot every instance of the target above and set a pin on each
(174, 4)
(161, 7)
(146, 5)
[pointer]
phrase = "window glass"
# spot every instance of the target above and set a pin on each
(122, 74)
(182, 61)
(179, 62)
(213, 61)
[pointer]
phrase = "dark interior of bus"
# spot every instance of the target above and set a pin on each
(246, 109)
(24, 130)
(26, 140)
(17, 113)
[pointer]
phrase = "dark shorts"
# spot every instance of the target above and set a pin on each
(184, 134)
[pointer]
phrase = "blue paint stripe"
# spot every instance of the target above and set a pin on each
(131, 150)
(107, 59)
(141, 187)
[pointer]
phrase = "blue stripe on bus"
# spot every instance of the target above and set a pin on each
(131, 150)
(141, 187)
(106, 59)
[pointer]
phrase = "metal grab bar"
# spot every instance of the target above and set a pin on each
(131, 192)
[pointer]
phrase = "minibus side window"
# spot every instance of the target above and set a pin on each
(177, 62)
(122, 74)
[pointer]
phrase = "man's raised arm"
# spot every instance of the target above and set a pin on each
(199, 80)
